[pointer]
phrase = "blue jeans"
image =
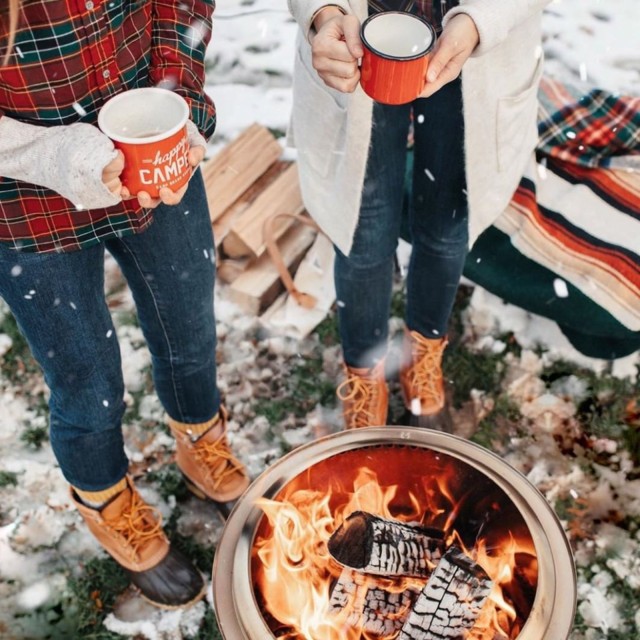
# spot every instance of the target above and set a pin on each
(437, 221)
(59, 303)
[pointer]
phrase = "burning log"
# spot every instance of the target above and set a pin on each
(372, 609)
(451, 600)
(386, 548)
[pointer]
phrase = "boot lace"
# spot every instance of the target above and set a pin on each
(360, 397)
(217, 459)
(135, 525)
(425, 374)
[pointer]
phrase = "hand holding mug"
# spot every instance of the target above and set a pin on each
(336, 48)
(458, 40)
(197, 150)
(111, 176)
(160, 145)
(397, 50)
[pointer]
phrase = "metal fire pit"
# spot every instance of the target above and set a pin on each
(238, 614)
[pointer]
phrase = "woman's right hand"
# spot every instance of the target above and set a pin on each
(336, 48)
(111, 177)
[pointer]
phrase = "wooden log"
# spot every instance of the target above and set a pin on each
(370, 609)
(245, 238)
(259, 285)
(237, 166)
(228, 270)
(386, 547)
(451, 600)
(231, 215)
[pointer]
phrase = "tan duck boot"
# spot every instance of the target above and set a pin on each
(131, 532)
(422, 381)
(365, 397)
(210, 468)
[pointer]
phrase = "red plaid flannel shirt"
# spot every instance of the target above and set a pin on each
(69, 57)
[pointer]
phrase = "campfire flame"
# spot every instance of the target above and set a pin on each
(294, 573)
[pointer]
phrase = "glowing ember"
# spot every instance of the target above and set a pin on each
(303, 591)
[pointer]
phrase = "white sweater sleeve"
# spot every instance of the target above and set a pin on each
(494, 19)
(303, 11)
(67, 159)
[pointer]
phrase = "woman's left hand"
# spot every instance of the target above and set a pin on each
(458, 40)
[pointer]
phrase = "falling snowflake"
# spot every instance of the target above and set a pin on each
(560, 287)
(583, 72)
(79, 109)
(195, 33)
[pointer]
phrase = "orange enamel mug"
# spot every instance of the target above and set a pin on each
(149, 126)
(397, 49)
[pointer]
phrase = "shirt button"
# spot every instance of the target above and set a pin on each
(89, 5)
(106, 73)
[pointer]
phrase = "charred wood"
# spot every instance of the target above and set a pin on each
(451, 600)
(384, 547)
(369, 607)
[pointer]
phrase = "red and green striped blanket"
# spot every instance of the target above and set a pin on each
(575, 216)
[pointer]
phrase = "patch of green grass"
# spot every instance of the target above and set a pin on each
(209, 627)
(303, 388)
(34, 437)
(500, 425)
(93, 594)
(467, 370)
(327, 331)
(398, 303)
(169, 482)
(603, 412)
(8, 479)
(17, 361)
(202, 556)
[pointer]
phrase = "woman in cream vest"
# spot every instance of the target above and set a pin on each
(474, 131)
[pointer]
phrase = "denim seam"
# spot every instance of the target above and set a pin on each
(164, 331)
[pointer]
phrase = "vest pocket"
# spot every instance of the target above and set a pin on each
(517, 127)
(318, 122)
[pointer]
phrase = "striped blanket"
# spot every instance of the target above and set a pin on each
(576, 216)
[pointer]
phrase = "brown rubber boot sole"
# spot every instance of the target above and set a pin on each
(168, 607)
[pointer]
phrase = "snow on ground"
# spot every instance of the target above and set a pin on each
(42, 540)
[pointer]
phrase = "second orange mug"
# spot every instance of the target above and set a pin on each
(149, 126)
(397, 49)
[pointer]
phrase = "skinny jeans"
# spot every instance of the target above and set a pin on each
(431, 204)
(58, 300)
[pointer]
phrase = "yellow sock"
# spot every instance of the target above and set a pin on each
(97, 499)
(196, 430)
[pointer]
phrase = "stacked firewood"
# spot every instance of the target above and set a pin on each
(443, 601)
(248, 183)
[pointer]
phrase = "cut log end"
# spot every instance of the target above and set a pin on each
(385, 547)
(450, 602)
(346, 544)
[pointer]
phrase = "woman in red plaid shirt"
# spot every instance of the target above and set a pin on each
(61, 205)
